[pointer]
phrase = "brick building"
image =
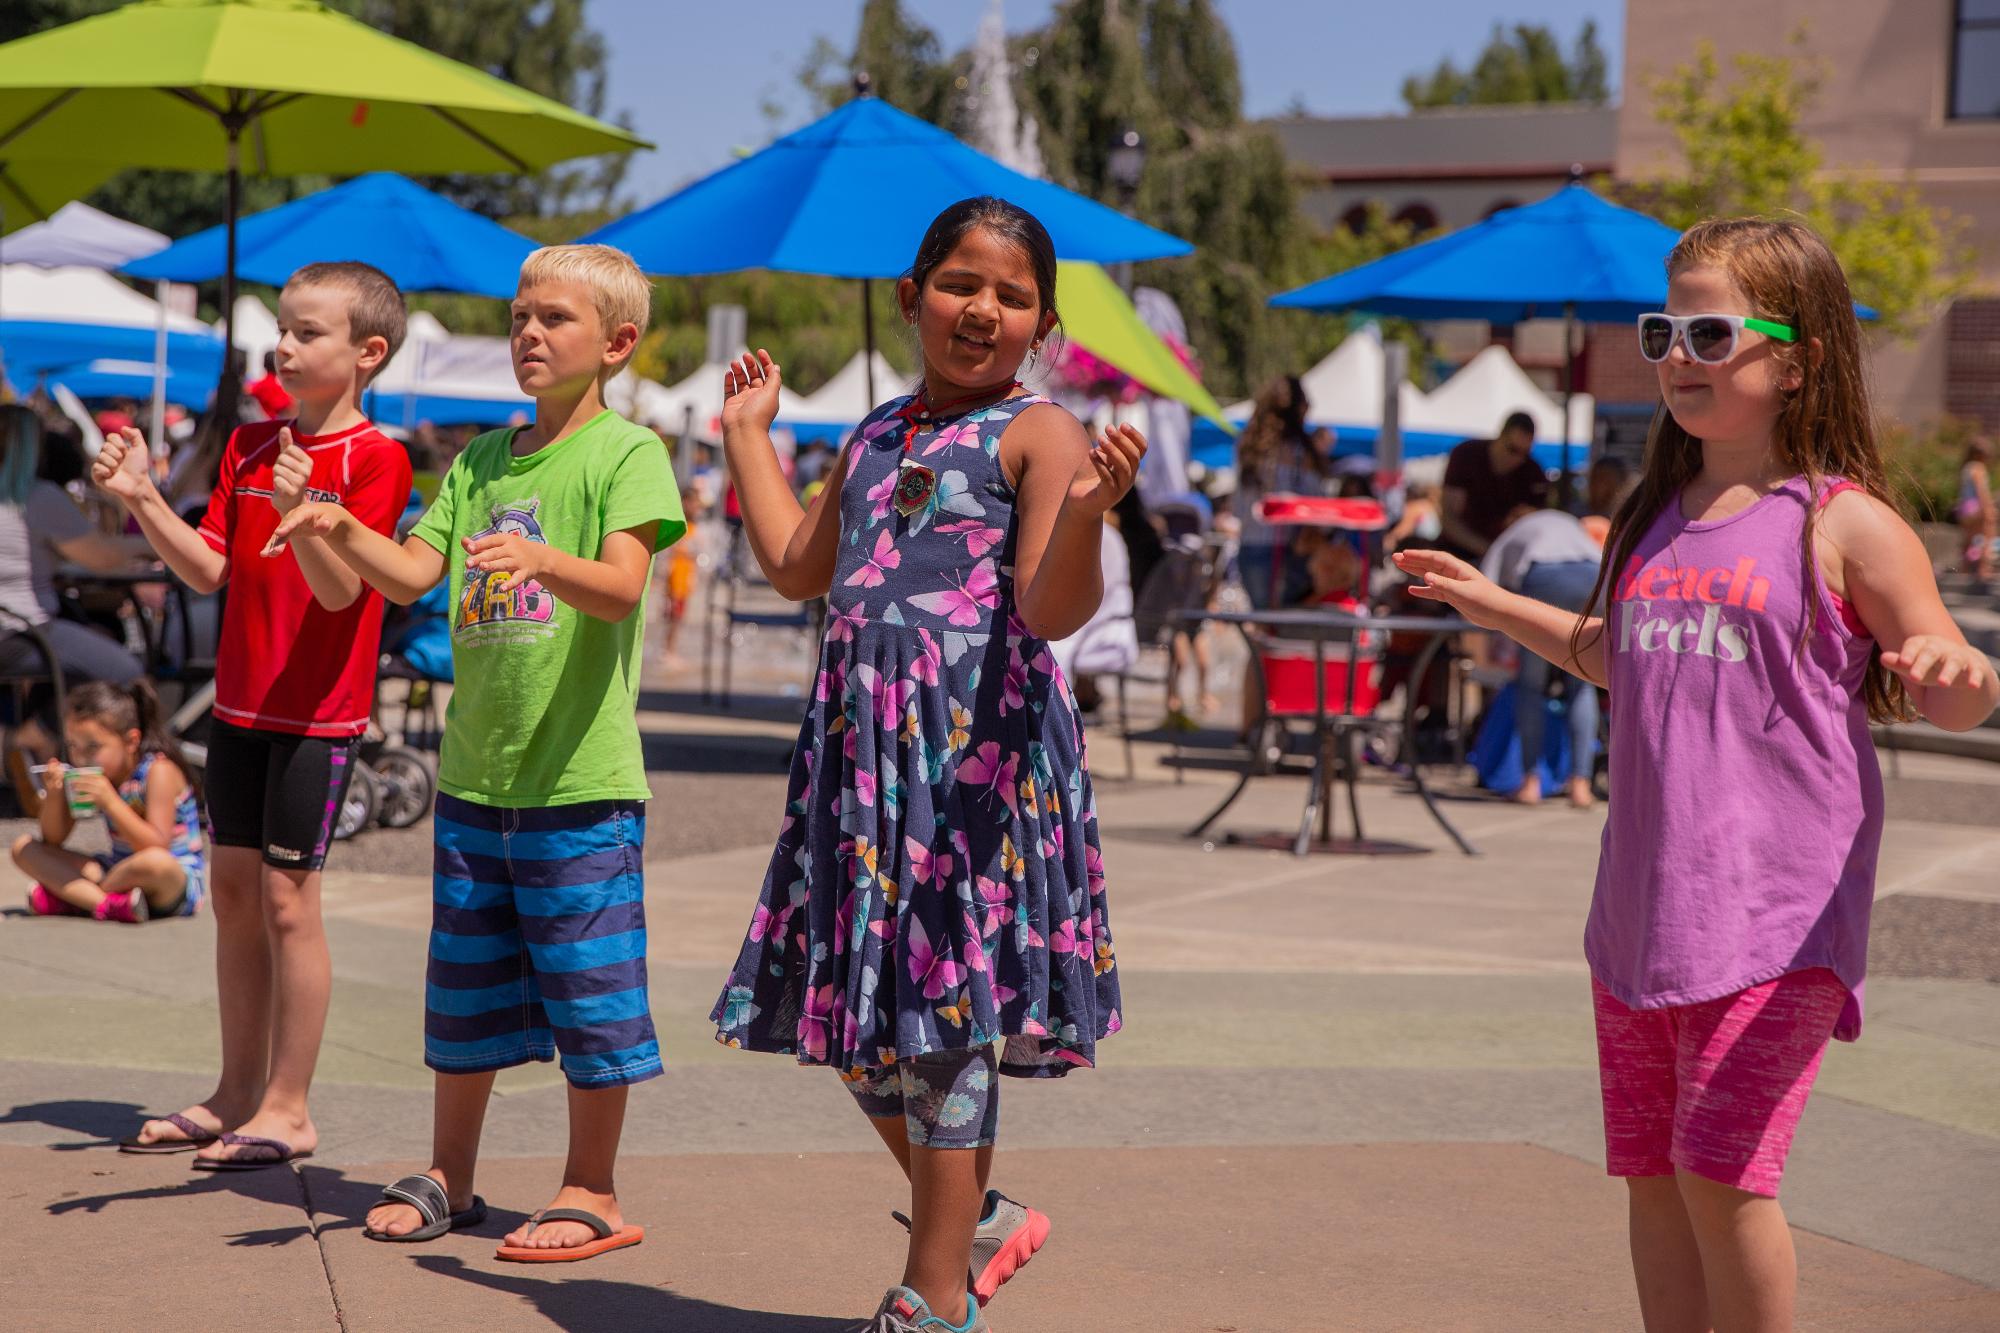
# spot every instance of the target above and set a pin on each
(1912, 89)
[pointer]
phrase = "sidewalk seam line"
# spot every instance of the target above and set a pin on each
(319, 1244)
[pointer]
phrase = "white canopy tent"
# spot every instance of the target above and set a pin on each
(1485, 391)
(1345, 388)
(691, 409)
(843, 401)
(447, 378)
(256, 332)
(83, 296)
(79, 236)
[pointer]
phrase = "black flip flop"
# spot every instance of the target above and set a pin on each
(197, 1137)
(428, 1198)
(281, 1154)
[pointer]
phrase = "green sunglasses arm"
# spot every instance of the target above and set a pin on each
(1782, 332)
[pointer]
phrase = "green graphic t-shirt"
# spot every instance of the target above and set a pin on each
(544, 708)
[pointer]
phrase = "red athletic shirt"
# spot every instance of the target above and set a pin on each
(286, 663)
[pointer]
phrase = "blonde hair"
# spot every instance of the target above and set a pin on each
(375, 306)
(618, 287)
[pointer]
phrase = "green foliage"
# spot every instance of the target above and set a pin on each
(1745, 154)
(1168, 69)
(811, 324)
(1924, 462)
(1523, 65)
(544, 46)
(900, 56)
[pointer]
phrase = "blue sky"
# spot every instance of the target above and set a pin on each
(694, 76)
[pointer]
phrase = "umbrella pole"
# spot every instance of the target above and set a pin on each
(235, 178)
(158, 434)
(1564, 487)
(868, 338)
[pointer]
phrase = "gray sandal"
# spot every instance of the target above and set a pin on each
(428, 1198)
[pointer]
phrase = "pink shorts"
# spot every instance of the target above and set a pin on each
(1715, 1088)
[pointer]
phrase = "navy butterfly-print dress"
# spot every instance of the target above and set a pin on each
(937, 882)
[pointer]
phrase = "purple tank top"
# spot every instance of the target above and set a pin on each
(1746, 804)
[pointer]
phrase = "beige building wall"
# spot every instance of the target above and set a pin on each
(1881, 107)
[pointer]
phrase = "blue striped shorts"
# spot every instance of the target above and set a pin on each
(538, 941)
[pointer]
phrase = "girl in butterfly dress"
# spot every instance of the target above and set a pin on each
(934, 913)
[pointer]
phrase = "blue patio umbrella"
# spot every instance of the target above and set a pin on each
(1571, 256)
(193, 387)
(30, 347)
(849, 196)
(424, 242)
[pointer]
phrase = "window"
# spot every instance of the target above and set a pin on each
(1975, 61)
(1355, 219)
(1502, 206)
(1423, 218)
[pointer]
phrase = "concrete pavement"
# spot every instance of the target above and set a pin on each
(1352, 1094)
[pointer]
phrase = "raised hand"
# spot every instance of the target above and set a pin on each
(123, 466)
(750, 392)
(1441, 577)
(1114, 464)
(1931, 660)
(508, 553)
(291, 474)
(315, 518)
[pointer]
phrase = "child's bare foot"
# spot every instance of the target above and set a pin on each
(400, 1219)
(297, 1132)
(1580, 794)
(1529, 792)
(568, 1235)
(213, 1115)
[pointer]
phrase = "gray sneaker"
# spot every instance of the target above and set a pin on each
(1002, 1245)
(903, 1311)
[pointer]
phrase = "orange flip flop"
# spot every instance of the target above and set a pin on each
(607, 1239)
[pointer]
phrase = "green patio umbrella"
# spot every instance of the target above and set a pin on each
(33, 191)
(280, 87)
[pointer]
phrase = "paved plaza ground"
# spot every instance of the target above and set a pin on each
(1351, 1094)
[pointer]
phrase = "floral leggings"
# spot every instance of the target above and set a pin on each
(948, 1099)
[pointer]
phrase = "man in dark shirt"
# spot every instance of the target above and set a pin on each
(1485, 480)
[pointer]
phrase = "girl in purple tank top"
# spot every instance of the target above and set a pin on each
(1762, 603)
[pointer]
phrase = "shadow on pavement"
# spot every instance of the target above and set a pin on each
(594, 1303)
(276, 1184)
(105, 1122)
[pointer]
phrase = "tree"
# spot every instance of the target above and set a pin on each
(900, 56)
(1168, 69)
(1524, 65)
(544, 46)
(1743, 153)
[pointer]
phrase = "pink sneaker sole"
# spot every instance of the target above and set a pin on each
(1012, 1256)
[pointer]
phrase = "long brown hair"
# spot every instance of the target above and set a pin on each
(1277, 419)
(1825, 427)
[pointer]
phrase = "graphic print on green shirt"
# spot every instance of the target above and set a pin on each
(521, 614)
(544, 709)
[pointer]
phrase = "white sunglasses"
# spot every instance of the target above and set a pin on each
(1710, 339)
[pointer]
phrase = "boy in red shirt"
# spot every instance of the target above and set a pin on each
(295, 678)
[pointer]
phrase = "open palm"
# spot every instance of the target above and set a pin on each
(750, 392)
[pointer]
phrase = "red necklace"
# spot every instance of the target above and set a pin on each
(916, 483)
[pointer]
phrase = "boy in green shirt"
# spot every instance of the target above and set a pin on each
(538, 937)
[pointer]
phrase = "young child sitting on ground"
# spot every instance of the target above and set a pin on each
(131, 773)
